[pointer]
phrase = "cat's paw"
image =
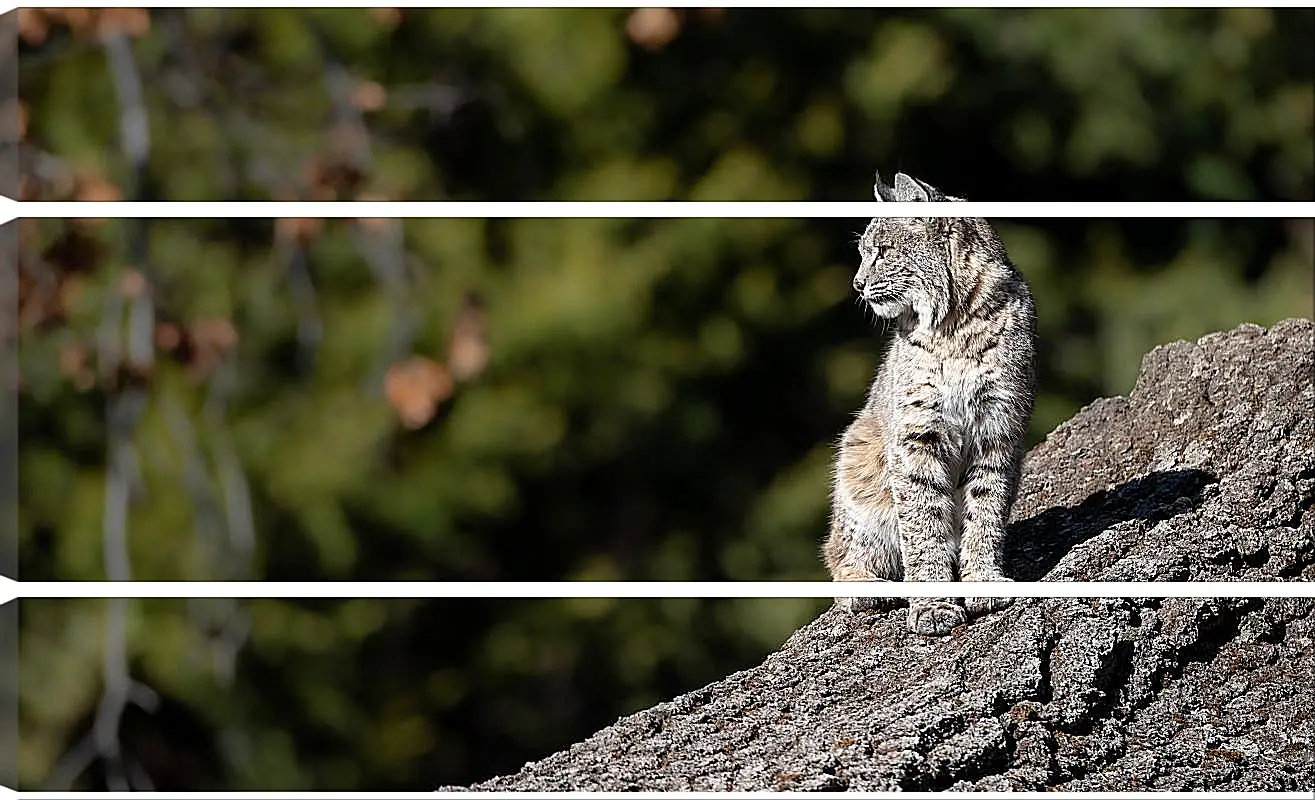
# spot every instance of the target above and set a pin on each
(980, 606)
(931, 617)
(857, 605)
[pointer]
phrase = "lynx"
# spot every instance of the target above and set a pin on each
(928, 471)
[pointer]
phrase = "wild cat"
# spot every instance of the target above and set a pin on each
(927, 473)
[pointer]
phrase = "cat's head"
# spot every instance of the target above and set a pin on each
(904, 263)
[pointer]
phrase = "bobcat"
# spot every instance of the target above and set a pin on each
(928, 471)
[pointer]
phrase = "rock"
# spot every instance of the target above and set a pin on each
(1206, 471)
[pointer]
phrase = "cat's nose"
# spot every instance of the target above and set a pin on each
(858, 284)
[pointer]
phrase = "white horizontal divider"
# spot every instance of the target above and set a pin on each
(646, 589)
(659, 210)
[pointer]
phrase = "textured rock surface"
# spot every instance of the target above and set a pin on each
(1205, 472)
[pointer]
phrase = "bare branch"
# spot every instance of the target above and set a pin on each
(240, 524)
(126, 355)
(134, 127)
(70, 765)
(305, 305)
(233, 484)
(381, 244)
(114, 696)
(208, 521)
(124, 409)
(441, 99)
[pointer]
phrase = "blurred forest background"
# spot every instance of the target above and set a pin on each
(300, 399)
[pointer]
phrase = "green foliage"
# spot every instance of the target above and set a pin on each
(640, 399)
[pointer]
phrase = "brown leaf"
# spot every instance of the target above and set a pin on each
(72, 359)
(15, 119)
(168, 336)
(215, 333)
(370, 96)
(132, 283)
(387, 17)
(95, 188)
(73, 365)
(415, 387)
(653, 28)
(33, 25)
(130, 22)
(78, 20)
(70, 289)
(468, 349)
(301, 230)
(333, 178)
(208, 342)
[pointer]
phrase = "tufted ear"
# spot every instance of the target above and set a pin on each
(881, 191)
(910, 189)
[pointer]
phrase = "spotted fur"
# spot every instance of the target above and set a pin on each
(927, 473)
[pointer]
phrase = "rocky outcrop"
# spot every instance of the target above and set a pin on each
(1206, 471)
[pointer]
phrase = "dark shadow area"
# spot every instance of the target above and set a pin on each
(1035, 545)
(169, 745)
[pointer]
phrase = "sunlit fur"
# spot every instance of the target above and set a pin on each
(927, 473)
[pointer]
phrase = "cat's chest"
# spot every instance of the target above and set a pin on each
(961, 386)
(954, 390)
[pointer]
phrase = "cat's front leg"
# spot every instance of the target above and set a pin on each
(989, 486)
(924, 506)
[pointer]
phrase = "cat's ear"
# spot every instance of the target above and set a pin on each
(881, 191)
(910, 189)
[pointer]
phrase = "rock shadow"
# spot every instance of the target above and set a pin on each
(1035, 545)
